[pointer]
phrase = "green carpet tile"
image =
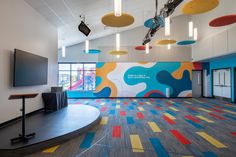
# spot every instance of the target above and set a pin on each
(154, 127)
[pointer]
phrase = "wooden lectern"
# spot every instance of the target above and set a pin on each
(23, 137)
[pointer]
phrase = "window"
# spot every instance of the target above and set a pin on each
(77, 76)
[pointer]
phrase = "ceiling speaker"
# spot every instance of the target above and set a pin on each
(84, 28)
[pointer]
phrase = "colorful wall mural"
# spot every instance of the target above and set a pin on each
(144, 79)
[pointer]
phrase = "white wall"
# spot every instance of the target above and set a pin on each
(23, 28)
(219, 44)
(201, 21)
(214, 41)
(132, 38)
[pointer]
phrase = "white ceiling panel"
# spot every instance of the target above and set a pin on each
(64, 14)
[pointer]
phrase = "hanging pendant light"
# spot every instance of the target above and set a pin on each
(190, 29)
(195, 34)
(167, 26)
(169, 46)
(117, 42)
(117, 18)
(147, 48)
(117, 8)
(87, 46)
(63, 51)
(118, 52)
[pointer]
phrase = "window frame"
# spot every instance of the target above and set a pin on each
(70, 71)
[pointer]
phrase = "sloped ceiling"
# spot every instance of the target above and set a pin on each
(64, 14)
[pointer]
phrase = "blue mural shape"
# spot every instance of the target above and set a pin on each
(100, 64)
(98, 80)
(105, 92)
(177, 86)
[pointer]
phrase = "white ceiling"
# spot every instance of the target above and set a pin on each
(64, 14)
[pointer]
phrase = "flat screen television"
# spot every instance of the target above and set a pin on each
(29, 69)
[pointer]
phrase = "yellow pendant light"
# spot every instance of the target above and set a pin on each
(118, 52)
(115, 52)
(117, 18)
(194, 7)
(166, 42)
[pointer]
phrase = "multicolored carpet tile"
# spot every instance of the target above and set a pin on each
(154, 127)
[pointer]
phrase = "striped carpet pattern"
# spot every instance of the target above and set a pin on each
(154, 127)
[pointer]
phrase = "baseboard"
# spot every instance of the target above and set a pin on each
(12, 121)
(135, 97)
(128, 97)
(208, 97)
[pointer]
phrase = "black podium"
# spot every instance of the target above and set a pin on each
(23, 137)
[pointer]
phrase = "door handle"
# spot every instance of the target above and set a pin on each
(198, 79)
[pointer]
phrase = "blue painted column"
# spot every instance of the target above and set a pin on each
(232, 80)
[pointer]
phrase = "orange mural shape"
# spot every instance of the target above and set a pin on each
(178, 74)
(143, 62)
(103, 72)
